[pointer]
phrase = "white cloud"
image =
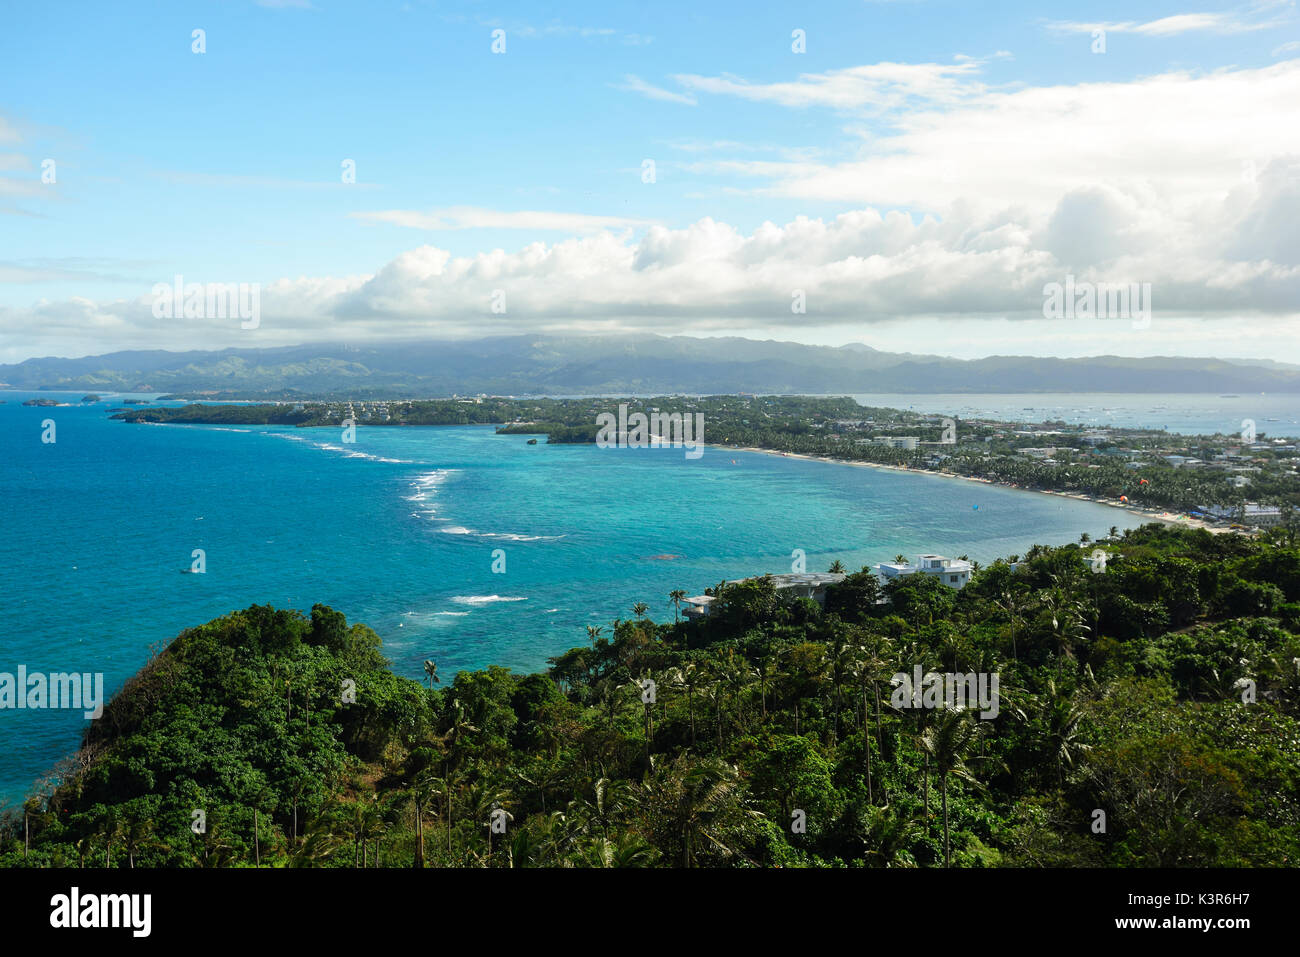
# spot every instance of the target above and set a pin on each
(1190, 182)
(1178, 141)
(1246, 20)
(876, 85)
(635, 84)
(856, 270)
(473, 217)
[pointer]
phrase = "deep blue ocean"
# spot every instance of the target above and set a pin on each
(398, 531)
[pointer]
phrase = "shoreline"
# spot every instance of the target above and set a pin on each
(1148, 514)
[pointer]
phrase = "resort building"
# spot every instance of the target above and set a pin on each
(953, 572)
(798, 585)
(1260, 516)
(907, 442)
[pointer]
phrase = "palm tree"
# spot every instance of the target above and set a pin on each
(947, 742)
(866, 667)
(889, 833)
(372, 828)
(424, 789)
(431, 672)
(843, 658)
(112, 826)
(675, 598)
(547, 776)
(1063, 718)
(700, 799)
(318, 844)
(764, 671)
(837, 567)
(1010, 603)
(639, 609)
(900, 559)
(486, 801)
(610, 799)
(626, 850)
(460, 728)
(1067, 622)
(138, 835)
(687, 676)
(649, 702)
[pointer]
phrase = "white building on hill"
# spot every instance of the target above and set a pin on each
(798, 585)
(953, 572)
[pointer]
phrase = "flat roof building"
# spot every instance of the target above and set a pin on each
(953, 572)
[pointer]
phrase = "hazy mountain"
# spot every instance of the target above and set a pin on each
(559, 365)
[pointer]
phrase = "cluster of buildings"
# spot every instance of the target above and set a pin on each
(953, 572)
(1259, 516)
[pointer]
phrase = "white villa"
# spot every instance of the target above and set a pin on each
(953, 572)
(799, 585)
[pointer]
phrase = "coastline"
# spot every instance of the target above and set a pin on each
(1147, 514)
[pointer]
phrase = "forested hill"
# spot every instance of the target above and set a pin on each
(1162, 692)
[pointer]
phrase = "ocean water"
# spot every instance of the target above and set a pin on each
(399, 531)
(1274, 414)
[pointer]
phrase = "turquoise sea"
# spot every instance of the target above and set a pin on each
(1274, 414)
(399, 529)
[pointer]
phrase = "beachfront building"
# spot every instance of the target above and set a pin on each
(953, 572)
(1259, 516)
(907, 442)
(798, 585)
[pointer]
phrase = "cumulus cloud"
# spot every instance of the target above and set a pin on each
(1187, 181)
(860, 267)
(474, 217)
(1180, 138)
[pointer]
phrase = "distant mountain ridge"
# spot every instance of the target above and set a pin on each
(568, 365)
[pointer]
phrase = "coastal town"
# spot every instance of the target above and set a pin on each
(1238, 479)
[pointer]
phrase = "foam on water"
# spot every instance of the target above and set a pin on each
(99, 524)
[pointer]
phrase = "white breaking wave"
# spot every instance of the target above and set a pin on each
(482, 599)
(504, 536)
(331, 447)
(425, 486)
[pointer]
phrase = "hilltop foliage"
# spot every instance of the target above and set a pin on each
(1120, 692)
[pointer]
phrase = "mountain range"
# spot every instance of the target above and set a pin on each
(575, 365)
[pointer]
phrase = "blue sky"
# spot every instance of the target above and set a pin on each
(225, 167)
